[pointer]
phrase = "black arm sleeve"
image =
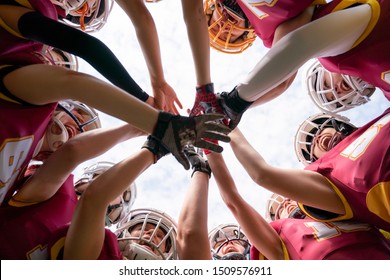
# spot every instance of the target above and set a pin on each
(36, 27)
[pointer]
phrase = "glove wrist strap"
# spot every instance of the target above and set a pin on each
(235, 102)
(162, 124)
(201, 168)
(207, 88)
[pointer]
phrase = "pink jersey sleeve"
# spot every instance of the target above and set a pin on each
(266, 16)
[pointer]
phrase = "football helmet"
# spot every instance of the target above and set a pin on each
(87, 15)
(143, 247)
(312, 127)
(223, 234)
(85, 117)
(325, 95)
(228, 18)
(115, 211)
(54, 56)
(278, 205)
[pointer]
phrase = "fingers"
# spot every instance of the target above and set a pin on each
(217, 127)
(209, 146)
(182, 159)
(212, 135)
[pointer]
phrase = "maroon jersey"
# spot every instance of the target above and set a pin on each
(358, 169)
(25, 231)
(110, 250)
(306, 239)
(266, 15)
(22, 127)
(16, 50)
(369, 59)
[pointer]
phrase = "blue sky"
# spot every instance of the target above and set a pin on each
(270, 128)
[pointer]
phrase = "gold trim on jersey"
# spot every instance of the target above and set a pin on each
(348, 210)
(377, 200)
(56, 250)
(24, 3)
(375, 8)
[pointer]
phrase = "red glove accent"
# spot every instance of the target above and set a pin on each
(205, 101)
(206, 152)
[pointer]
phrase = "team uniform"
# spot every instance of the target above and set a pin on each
(22, 125)
(358, 170)
(307, 239)
(265, 18)
(26, 229)
(110, 249)
(368, 59)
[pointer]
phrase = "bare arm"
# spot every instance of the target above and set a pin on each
(55, 170)
(307, 187)
(192, 231)
(87, 232)
(147, 35)
(259, 232)
(197, 31)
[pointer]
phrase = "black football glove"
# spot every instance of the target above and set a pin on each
(154, 145)
(198, 162)
(175, 131)
(233, 106)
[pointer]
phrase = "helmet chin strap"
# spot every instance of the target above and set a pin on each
(137, 252)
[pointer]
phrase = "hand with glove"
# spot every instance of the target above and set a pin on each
(154, 145)
(205, 101)
(198, 162)
(176, 131)
(233, 106)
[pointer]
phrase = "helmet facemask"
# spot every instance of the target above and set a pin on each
(87, 15)
(312, 128)
(322, 90)
(280, 207)
(115, 211)
(228, 18)
(142, 247)
(90, 117)
(224, 234)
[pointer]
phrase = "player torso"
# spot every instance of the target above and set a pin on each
(306, 239)
(25, 231)
(358, 167)
(369, 59)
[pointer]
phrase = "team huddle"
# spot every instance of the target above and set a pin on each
(337, 207)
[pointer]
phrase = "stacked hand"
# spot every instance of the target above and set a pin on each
(198, 162)
(205, 101)
(175, 132)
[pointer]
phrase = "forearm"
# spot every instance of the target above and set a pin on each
(61, 84)
(36, 27)
(252, 223)
(250, 159)
(192, 234)
(147, 36)
(83, 238)
(197, 32)
(342, 30)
